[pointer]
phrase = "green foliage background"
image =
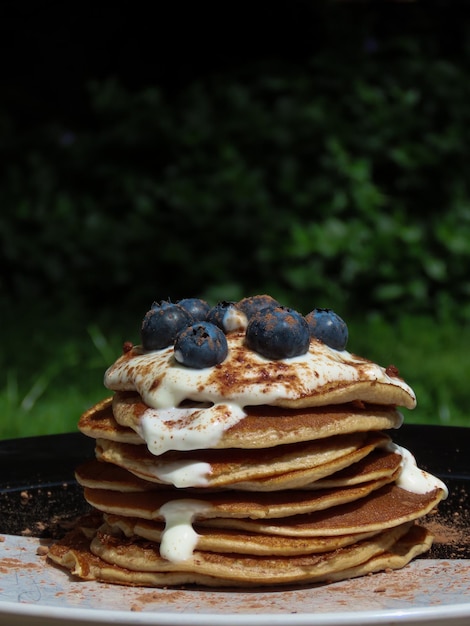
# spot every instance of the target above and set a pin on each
(341, 181)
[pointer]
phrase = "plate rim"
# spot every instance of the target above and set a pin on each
(428, 614)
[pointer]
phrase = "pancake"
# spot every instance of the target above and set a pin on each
(382, 508)
(264, 426)
(214, 539)
(148, 505)
(98, 475)
(218, 465)
(112, 558)
(322, 376)
(266, 570)
(286, 466)
(415, 542)
(98, 422)
(377, 464)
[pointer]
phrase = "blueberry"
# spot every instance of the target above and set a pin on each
(278, 333)
(197, 307)
(326, 325)
(252, 304)
(227, 316)
(201, 345)
(162, 323)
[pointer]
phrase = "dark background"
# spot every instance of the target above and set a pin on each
(51, 49)
(143, 143)
(316, 151)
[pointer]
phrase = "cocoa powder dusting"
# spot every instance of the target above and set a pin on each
(127, 347)
(450, 525)
(392, 371)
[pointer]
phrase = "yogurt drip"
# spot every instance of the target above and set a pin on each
(187, 428)
(412, 478)
(183, 474)
(179, 538)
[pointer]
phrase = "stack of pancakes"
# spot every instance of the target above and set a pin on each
(253, 472)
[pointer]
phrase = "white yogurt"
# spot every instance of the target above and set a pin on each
(184, 473)
(411, 477)
(234, 319)
(179, 539)
(187, 428)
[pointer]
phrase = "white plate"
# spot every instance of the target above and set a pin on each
(36, 593)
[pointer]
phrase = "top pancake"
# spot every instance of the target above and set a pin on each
(186, 408)
(319, 377)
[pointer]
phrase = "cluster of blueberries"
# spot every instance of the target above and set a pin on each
(198, 331)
